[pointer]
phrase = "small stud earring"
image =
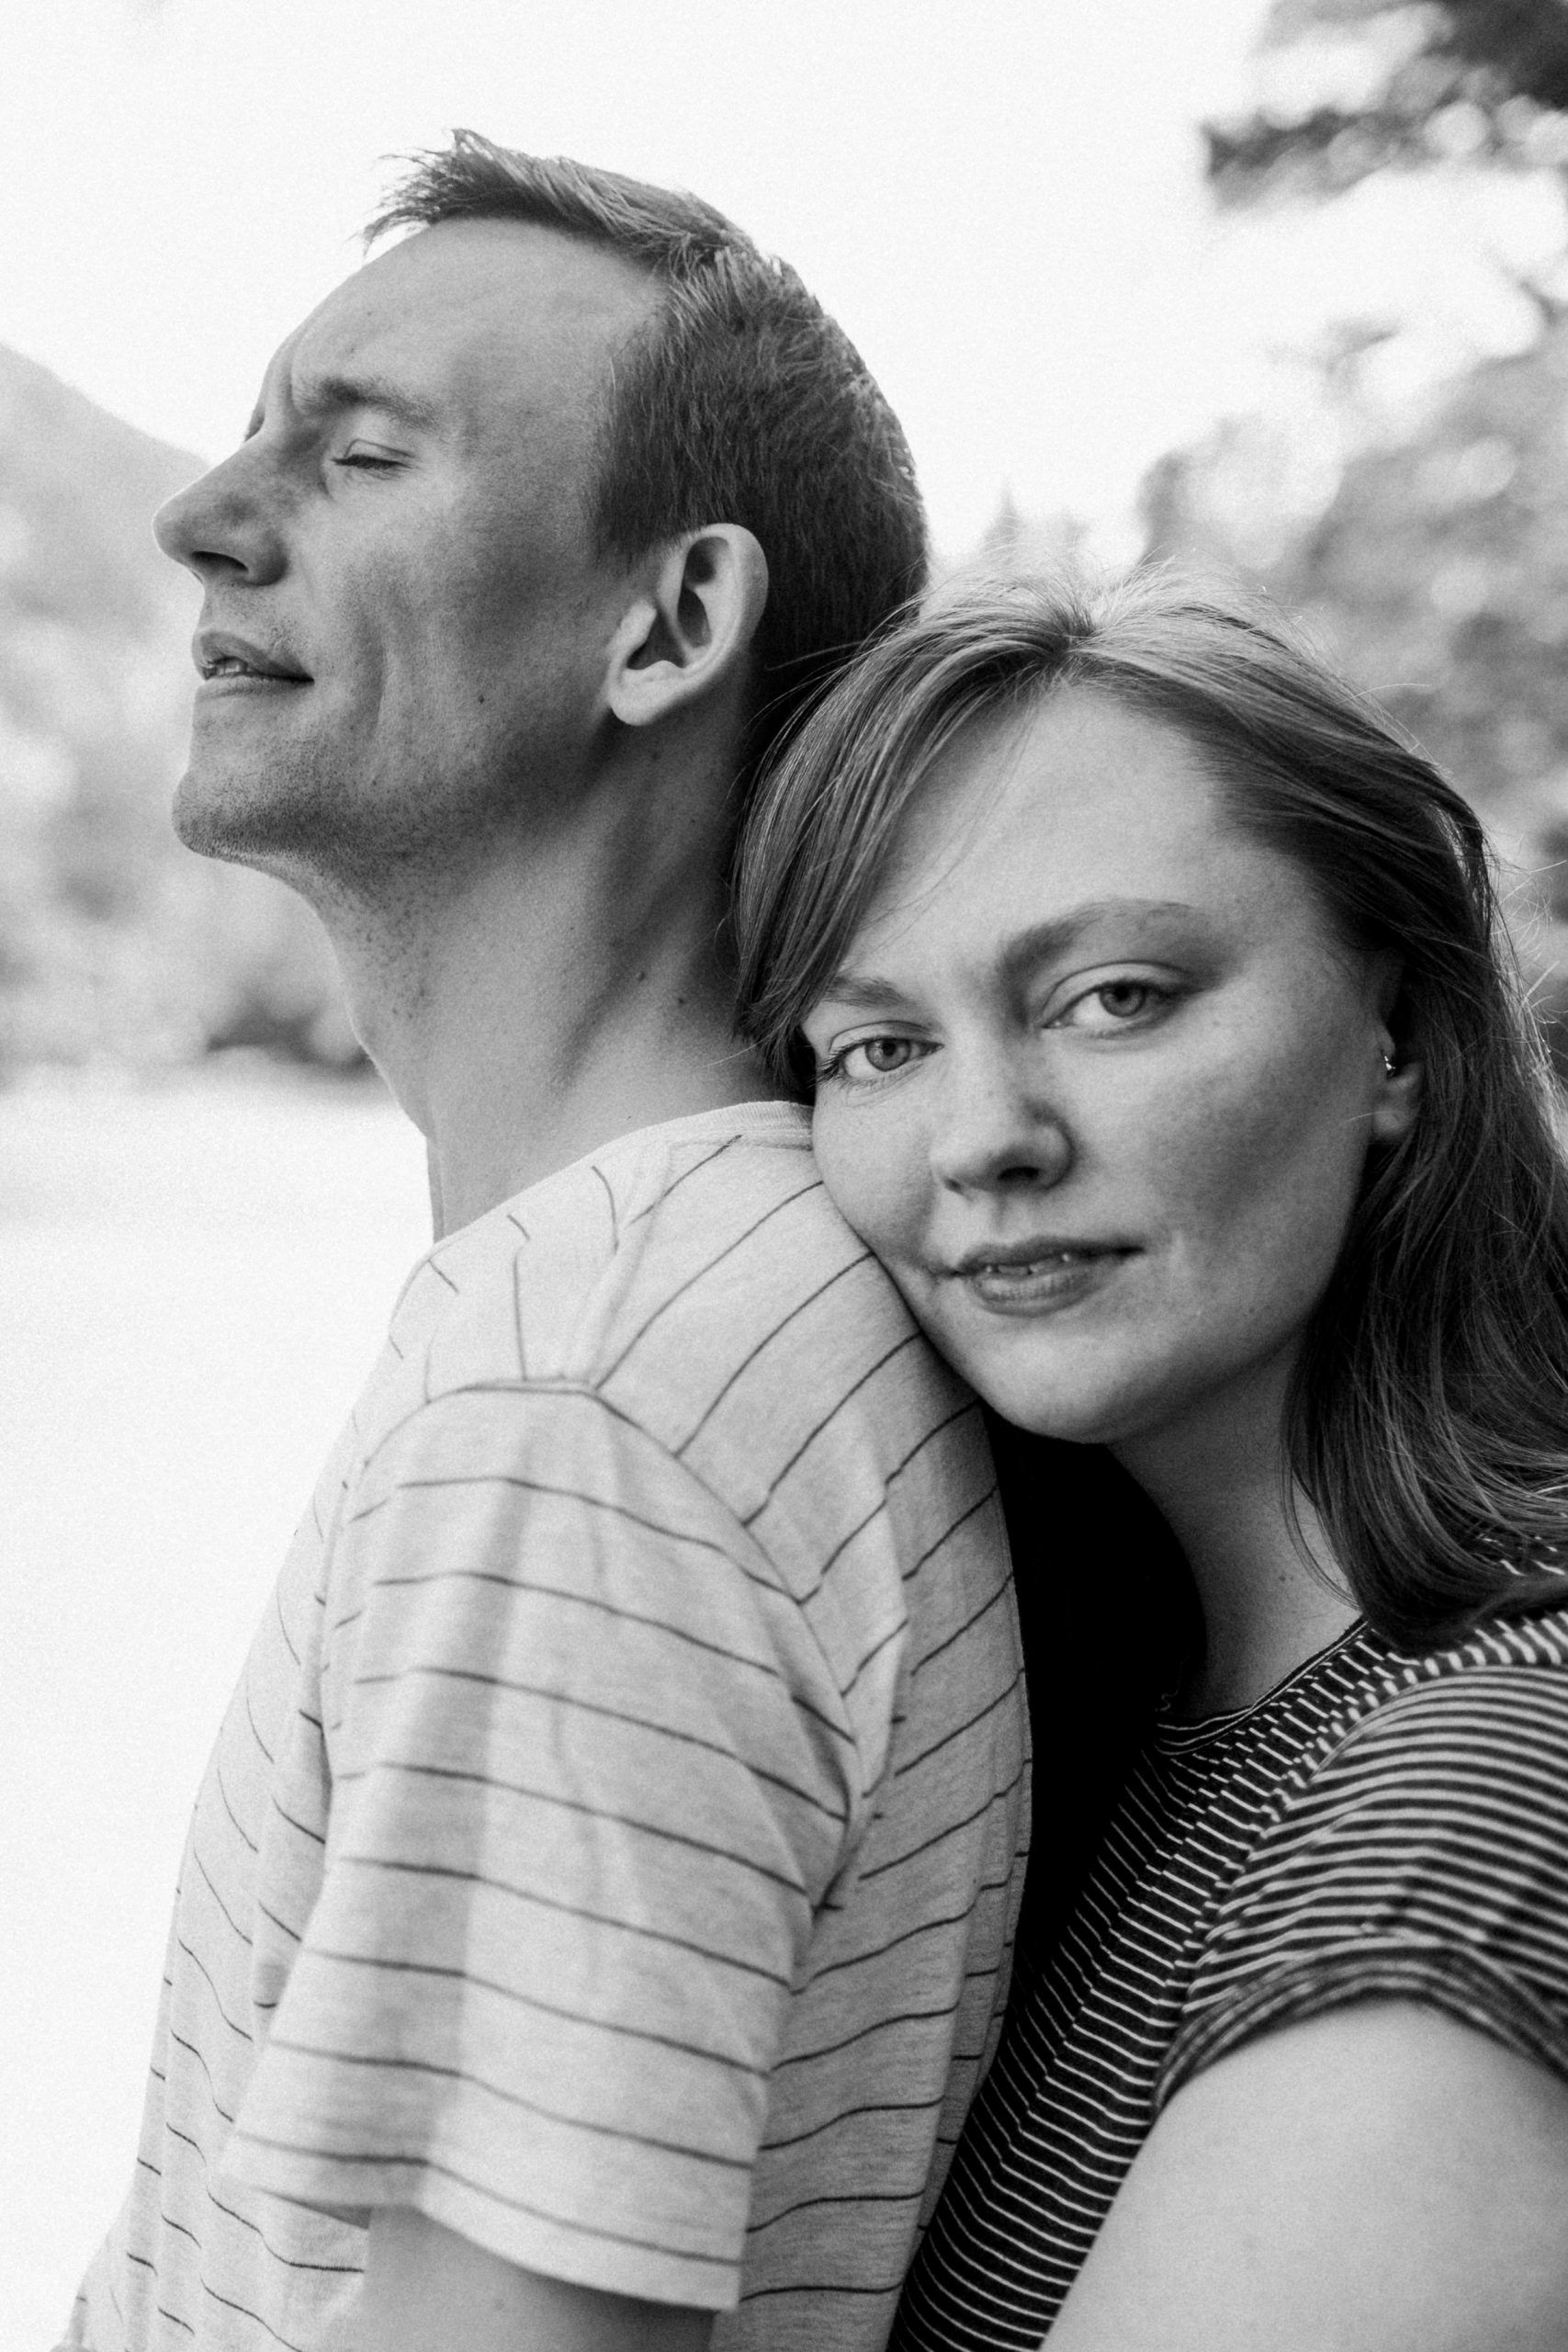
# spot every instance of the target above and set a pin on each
(1388, 1065)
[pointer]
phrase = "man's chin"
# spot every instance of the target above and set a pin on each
(242, 827)
(207, 821)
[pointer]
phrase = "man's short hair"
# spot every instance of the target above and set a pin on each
(741, 402)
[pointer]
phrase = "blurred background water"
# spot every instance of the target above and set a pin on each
(195, 1275)
(1279, 286)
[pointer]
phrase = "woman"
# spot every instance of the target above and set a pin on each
(1148, 987)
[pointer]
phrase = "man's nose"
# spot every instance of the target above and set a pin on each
(998, 1128)
(225, 525)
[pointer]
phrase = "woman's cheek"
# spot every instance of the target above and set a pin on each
(1258, 1159)
(872, 1167)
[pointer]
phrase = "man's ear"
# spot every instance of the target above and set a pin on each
(690, 626)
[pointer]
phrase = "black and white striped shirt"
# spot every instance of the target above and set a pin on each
(1381, 1824)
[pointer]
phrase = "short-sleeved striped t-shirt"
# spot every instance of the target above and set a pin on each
(612, 1848)
(1381, 1824)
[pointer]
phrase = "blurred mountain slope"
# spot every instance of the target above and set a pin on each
(86, 562)
(115, 943)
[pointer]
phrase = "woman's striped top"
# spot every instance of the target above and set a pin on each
(1381, 1824)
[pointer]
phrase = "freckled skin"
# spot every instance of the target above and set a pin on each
(1218, 1136)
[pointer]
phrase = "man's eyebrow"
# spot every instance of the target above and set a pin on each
(870, 992)
(328, 395)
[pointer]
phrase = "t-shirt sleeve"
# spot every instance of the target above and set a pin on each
(1425, 1859)
(590, 1781)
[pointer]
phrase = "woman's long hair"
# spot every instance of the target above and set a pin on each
(1429, 1417)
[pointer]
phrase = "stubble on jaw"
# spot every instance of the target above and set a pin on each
(301, 819)
(291, 825)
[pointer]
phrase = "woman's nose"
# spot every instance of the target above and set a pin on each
(995, 1130)
(225, 523)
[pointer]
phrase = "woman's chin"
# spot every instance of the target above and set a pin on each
(1067, 1386)
(1075, 1412)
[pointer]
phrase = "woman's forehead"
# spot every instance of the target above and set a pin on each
(1083, 821)
(1078, 788)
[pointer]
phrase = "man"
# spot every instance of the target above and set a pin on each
(595, 1914)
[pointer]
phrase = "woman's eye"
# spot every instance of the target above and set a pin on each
(1125, 997)
(1115, 1004)
(872, 1057)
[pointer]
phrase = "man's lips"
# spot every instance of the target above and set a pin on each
(218, 654)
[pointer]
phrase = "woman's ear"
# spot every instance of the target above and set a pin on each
(691, 625)
(1398, 1100)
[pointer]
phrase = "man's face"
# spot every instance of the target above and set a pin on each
(405, 624)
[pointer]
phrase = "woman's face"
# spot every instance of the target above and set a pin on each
(1098, 1084)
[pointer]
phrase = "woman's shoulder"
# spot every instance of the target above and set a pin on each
(1364, 1691)
(1423, 1854)
(1481, 1724)
(1512, 1672)
(1539, 1638)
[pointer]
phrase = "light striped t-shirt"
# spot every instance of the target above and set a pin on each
(614, 1845)
(1381, 1824)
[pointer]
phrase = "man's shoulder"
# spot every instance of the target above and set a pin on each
(741, 1308)
(695, 1276)
(708, 1217)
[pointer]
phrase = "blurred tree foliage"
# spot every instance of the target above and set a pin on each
(1485, 80)
(115, 943)
(1436, 571)
(1428, 550)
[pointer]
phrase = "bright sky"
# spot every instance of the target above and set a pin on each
(1000, 199)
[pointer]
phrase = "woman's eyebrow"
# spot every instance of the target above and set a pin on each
(1043, 939)
(869, 992)
(863, 991)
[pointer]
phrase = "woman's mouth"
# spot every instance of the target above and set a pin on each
(1033, 1279)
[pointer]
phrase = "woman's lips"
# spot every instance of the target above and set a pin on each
(1036, 1280)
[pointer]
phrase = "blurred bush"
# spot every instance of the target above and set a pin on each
(1419, 81)
(1427, 549)
(115, 943)
(1435, 572)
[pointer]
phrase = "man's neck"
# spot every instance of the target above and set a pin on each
(548, 998)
